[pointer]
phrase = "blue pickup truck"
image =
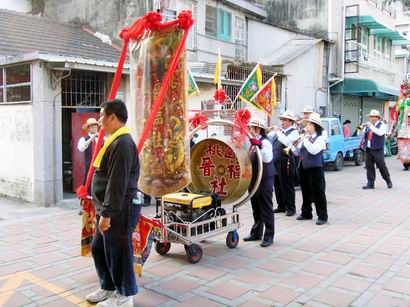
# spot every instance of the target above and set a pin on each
(339, 148)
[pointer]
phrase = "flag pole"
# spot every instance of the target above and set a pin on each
(219, 69)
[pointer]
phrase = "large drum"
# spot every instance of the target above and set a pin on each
(221, 167)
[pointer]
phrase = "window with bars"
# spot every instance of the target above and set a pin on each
(83, 89)
(15, 83)
(240, 74)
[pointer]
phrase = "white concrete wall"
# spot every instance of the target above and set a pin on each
(401, 75)
(47, 138)
(16, 156)
(264, 38)
(23, 6)
(304, 85)
(335, 28)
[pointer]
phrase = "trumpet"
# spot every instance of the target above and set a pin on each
(362, 126)
(288, 150)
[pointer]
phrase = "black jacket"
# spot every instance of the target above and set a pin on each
(115, 182)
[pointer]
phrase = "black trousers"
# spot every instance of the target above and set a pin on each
(113, 253)
(284, 185)
(313, 186)
(376, 156)
(262, 209)
(296, 180)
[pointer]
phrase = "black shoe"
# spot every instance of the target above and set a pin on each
(250, 238)
(368, 187)
(279, 211)
(320, 222)
(302, 218)
(290, 213)
(266, 243)
(390, 185)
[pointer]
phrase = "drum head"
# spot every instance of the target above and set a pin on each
(220, 167)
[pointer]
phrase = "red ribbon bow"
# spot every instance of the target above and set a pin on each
(243, 116)
(198, 119)
(241, 120)
(185, 20)
(220, 95)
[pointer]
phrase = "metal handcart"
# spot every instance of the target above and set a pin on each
(190, 218)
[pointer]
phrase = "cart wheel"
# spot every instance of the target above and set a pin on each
(194, 253)
(232, 239)
(162, 248)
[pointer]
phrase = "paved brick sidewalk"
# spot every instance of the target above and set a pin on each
(361, 258)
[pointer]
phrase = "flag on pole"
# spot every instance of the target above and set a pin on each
(251, 85)
(218, 68)
(265, 97)
(192, 86)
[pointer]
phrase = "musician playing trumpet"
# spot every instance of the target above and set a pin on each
(311, 170)
(284, 164)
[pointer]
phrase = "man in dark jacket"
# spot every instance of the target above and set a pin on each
(114, 187)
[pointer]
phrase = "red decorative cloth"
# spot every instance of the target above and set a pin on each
(88, 227)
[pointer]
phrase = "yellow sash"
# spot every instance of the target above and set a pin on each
(112, 138)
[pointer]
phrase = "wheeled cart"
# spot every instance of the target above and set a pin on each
(190, 218)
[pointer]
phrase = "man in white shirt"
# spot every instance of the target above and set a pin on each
(374, 139)
(87, 143)
(284, 164)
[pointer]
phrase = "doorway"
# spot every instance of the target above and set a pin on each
(81, 95)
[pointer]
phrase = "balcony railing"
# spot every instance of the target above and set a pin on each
(384, 6)
(373, 59)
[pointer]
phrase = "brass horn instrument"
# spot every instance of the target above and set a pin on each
(361, 126)
(288, 150)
